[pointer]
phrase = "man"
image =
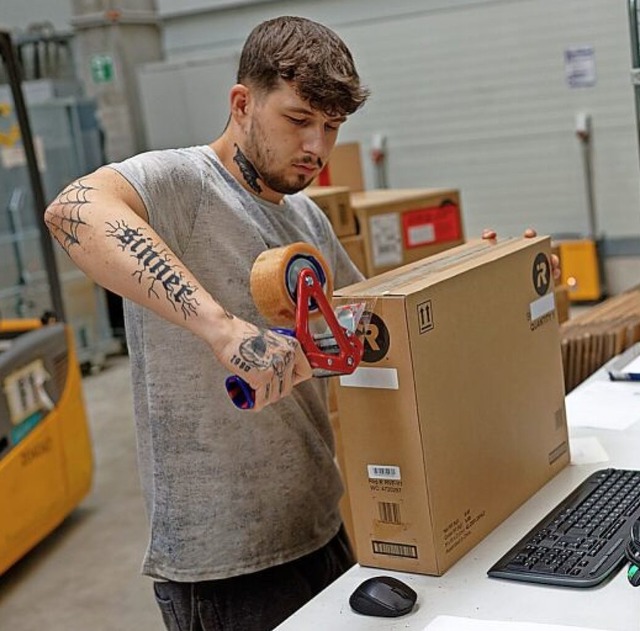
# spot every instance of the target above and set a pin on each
(243, 508)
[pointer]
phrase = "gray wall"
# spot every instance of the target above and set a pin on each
(473, 94)
(469, 93)
(16, 15)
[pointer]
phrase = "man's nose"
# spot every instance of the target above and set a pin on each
(315, 141)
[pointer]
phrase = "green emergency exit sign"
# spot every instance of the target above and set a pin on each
(102, 68)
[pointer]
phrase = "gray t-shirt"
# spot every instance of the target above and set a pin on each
(227, 492)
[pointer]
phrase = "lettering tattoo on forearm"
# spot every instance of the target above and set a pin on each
(249, 173)
(65, 225)
(258, 351)
(157, 266)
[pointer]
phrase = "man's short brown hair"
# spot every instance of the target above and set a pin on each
(308, 55)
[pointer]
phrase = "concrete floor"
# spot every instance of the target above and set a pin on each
(86, 575)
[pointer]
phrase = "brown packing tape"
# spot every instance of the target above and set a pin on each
(268, 282)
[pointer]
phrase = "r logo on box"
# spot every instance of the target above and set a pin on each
(375, 338)
(541, 274)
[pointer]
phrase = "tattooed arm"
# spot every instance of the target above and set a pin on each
(102, 224)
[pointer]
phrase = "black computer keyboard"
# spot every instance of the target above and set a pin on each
(582, 540)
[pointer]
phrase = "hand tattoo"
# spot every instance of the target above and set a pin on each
(259, 351)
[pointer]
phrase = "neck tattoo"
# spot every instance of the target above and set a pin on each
(249, 173)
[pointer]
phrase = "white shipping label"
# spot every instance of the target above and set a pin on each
(386, 239)
(365, 377)
(542, 306)
(383, 472)
(421, 235)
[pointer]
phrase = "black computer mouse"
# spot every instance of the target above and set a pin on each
(383, 596)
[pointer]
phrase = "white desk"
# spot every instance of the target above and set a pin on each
(466, 591)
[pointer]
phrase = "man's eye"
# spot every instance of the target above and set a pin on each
(331, 127)
(297, 121)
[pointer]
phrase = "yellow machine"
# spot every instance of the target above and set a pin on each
(46, 462)
(580, 269)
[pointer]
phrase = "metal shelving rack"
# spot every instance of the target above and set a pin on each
(58, 140)
(9, 57)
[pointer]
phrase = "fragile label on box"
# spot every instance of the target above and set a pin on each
(424, 226)
(386, 239)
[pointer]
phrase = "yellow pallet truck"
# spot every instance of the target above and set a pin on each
(46, 463)
(46, 460)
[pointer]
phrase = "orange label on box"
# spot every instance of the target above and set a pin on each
(425, 226)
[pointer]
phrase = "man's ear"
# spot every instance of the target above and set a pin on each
(239, 97)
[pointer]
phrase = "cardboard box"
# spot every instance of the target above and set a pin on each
(400, 226)
(562, 302)
(455, 416)
(345, 504)
(354, 245)
(335, 202)
(344, 168)
(593, 337)
(333, 393)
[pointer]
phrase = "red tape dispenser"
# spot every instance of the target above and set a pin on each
(291, 284)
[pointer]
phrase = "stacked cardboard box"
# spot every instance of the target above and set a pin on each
(344, 168)
(386, 228)
(335, 202)
(456, 414)
(562, 302)
(399, 226)
(590, 339)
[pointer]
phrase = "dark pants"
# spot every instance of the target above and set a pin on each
(253, 602)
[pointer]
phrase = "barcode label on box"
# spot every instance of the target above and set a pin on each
(395, 549)
(383, 472)
(386, 239)
(389, 513)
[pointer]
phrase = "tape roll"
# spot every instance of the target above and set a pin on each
(274, 279)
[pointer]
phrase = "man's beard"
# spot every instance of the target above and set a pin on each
(260, 159)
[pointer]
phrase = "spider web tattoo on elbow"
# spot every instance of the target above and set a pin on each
(65, 225)
(157, 265)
